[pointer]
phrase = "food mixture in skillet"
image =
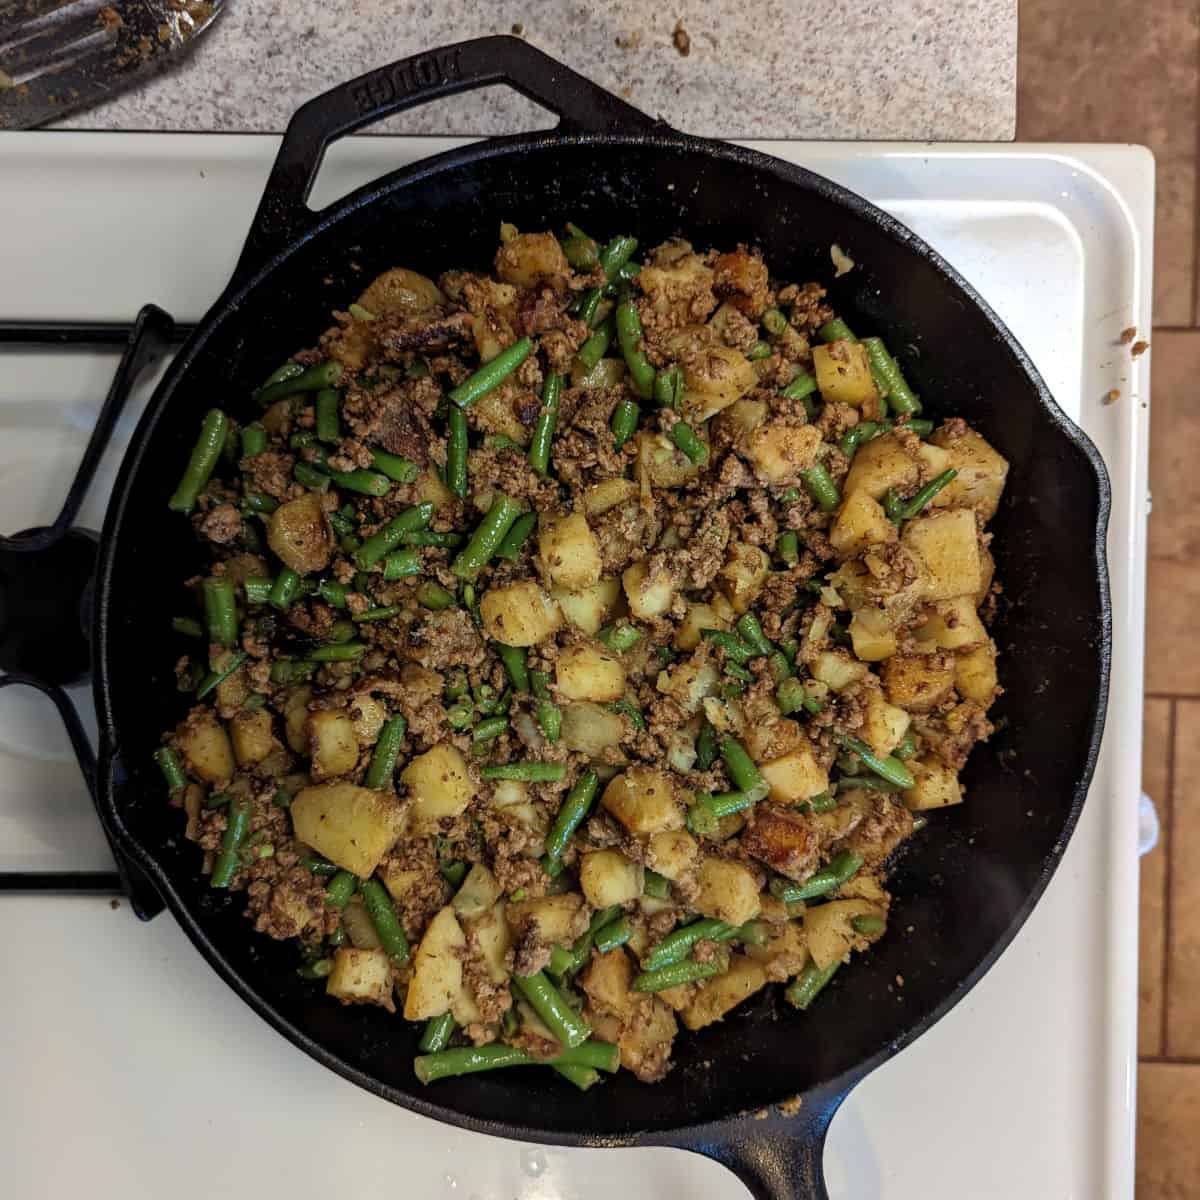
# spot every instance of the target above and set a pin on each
(579, 642)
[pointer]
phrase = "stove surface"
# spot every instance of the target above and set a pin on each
(135, 1071)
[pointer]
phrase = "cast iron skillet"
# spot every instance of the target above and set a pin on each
(964, 887)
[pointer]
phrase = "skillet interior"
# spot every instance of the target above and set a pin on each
(963, 886)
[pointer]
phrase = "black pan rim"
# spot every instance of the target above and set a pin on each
(225, 309)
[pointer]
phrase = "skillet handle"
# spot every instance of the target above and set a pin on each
(283, 213)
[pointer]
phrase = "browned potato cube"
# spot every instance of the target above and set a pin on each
(726, 890)
(917, 683)
(981, 473)
(743, 575)
(300, 534)
(935, 785)
(569, 553)
(644, 801)
(844, 376)
(350, 825)
(520, 614)
(947, 545)
(361, 977)
(720, 995)
(780, 452)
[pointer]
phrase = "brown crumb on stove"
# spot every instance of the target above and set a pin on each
(1138, 349)
(114, 904)
(761, 1114)
(631, 41)
(681, 39)
(6, 81)
(1112, 396)
(626, 93)
(518, 30)
(899, 980)
(789, 1108)
(109, 17)
(1127, 335)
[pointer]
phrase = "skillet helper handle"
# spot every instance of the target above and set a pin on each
(283, 213)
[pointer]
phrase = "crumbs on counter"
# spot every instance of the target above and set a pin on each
(1138, 349)
(789, 1108)
(114, 904)
(631, 41)
(518, 30)
(1127, 335)
(1112, 396)
(681, 39)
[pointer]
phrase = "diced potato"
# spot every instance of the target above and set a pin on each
(608, 877)
(661, 463)
(981, 473)
(717, 996)
(645, 1039)
(828, 931)
(987, 572)
(437, 968)
(780, 452)
(795, 776)
(439, 785)
(861, 522)
(726, 890)
(771, 736)
(697, 618)
(494, 939)
(690, 682)
(606, 981)
(744, 274)
(368, 715)
(975, 674)
(675, 286)
(478, 893)
(586, 671)
(644, 801)
(917, 683)
(607, 373)
(786, 952)
(350, 825)
(300, 534)
(463, 1007)
(569, 552)
(743, 575)
(879, 464)
(557, 919)
(590, 608)
(935, 786)
(590, 729)
(871, 635)
(607, 494)
(401, 882)
(783, 840)
(844, 376)
(431, 490)
(520, 614)
(837, 670)
(295, 718)
(401, 292)
(252, 736)
(331, 743)
(672, 853)
(232, 690)
(361, 977)
(714, 378)
(951, 625)
(650, 587)
(948, 547)
(741, 418)
(531, 259)
(883, 724)
(205, 747)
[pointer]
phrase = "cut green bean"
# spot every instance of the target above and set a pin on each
(386, 539)
(788, 547)
(616, 254)
(383, 613)
(619, 637)
(285, 589)
(526, 772)
(547, 1001)
(920, 500)
(433, 537)
(310, 379)
(893, 506)
(836, 330)
(460, 714)
(306, 475)
(626, 708)
(735, 649)
(387, 749)
(237, 826)
(329, 421)
(514, 659)
(218, 676)
(751, 632)
(401, 470)
(587, 304)
(801, 386)
(792, 696)
(220, 610)
(401, 564)
(570, 814)
(340, 889)
(759, 351)
(676, 946)
(491, 374)
(774, 322)
(678, 973)
(686, 439)
(456, 451)
(656, 886)
(187, 626)
(438, 1032)
(802, 991)
(864, 431)
(332, 592)
(668, 389)
(543, 431)
(629, 337)
(613, 935)
(704, 815)
(171, 767)
(515, 538)
(318, 865)
(383, 916)
(289, 370)
(340, 631)
(582, 1077)
(290, 670)
(829, 878)
(741, 674)
(254, 440)
(900, 395)
(256, 502)
(346, 652)
(213, 431)
(488, 730)
(707, 748)
(487, 538)
(595, 348)
(741, 769)
(467, 1060)
(624, 422)
(365, 483)
(868, 925)
(907, 747)
(821, 487)
(432, 595)
(887, 767)
(580, 251)
(549, 717)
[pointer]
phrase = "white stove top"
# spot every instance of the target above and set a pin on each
(132, 1071)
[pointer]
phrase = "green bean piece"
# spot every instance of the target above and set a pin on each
(629, 337)
(346, 652)
(751, 632)
(792, 696)
(340, 889)
(456, 684)
(571, 814)
(679, 973)
(836, 330)
(802, 991)
(237, 825)
(821, 487)
(626, 708)
(318, 865)
(587, 305)
(491, 374)
(774, 322)
(365, 483)
(889, 767)
(868, 925)
(685, 438)
(467, 1060)
(907, 747)
(803, 385)
(289, 670)
(759, 351)
(510, 546)
(778, 665)
(289, 370)
(871, 783)
(171, 767)
(829, 878)
(433, 537)
(487, 698)
(285, 589)
(332, 592)
(864, 431)
(900, 395)
(456, 451)
(613, 935)
(257, 503)
(619, 637)
(386, 539)
(321, 968)
(220, 610)
(704, 816)
(656, 886)
(736, 651)
(402, 470)
(547, 1001)
(460, 714)
(526, 772)
(514, 659)
(217, 800)
(549, 717)
(582, 1077)
(329, 421)
(383, 613)
(213, 678)
(213, 431)
(187, 626)
(543, 431)
(676, 946)
(383, 916)
(567, 963)
(306, 439)
(437, 1035)
(893, 506)
(254, 440)
(340, 631)
(919, 426)
(580, 251)
(616, 254)
(487, 730)
(596, 347)
(387, 749)
(310, 379)
(741, 769)
(432, 595)
(913, 507)
(306, 475)
(401, 564)
(487, 538)
(668, 389)
(707, 749)
(787, 546)
(624, 422)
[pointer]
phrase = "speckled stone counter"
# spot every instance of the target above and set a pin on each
(911, 69)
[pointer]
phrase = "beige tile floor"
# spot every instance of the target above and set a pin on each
(1113, 70)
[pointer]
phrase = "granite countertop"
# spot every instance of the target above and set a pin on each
(908, 69)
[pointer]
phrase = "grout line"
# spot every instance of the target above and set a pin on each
(1169, 826)
(1175, 328)
(1196, 201)
(1167, 1060)
(1172, 695)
